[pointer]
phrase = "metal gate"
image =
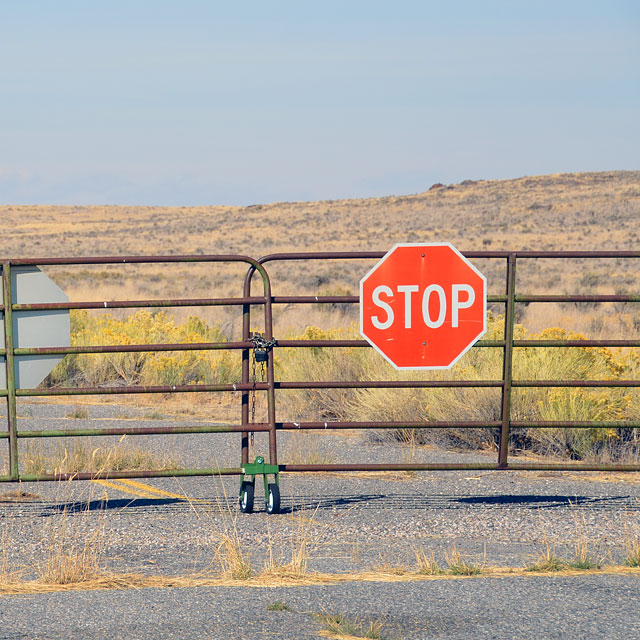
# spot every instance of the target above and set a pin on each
(262, 347)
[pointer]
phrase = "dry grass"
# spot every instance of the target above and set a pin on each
(234, 561)
(459, 565)
(632, 550)
(307, 448)
(42, 458)
(295, 564)
(78, 413)
(583, 557)
(75, 559)
(232, 558)
(427, 564)
(342, 627)
(548, 560)
(389, 565)
(74, 553)
(110, 580)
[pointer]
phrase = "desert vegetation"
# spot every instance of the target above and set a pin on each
(586, 211)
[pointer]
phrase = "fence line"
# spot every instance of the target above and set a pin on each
(264, 347)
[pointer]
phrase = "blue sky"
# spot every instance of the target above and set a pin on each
(204, 102)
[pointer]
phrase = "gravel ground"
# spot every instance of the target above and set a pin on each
(351, 522)
(506, 608)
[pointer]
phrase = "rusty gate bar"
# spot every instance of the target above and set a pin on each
(134, 304)
(361, 343)
(132, 348)
(10, 372)
(97, 391)
(9, 351)
(507, 362)
(388, 384)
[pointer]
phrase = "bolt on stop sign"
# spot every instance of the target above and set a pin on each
(423, 306)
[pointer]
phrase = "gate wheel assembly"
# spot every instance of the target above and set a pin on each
(271, 489)
(245, 499)
(272, 498)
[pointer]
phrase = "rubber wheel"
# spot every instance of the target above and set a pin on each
(273, 499)
(245, 499)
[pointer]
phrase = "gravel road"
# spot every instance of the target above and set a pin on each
(506, 608)
(352, 522)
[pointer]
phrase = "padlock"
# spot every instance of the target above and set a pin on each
(261, 355)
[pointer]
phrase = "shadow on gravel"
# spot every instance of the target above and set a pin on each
(440, 502)
(107, 505)
(395, 501)
(546, 502)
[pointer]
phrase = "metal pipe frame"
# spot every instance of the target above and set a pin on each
(506, 384)
(10, 351)
(247, 386)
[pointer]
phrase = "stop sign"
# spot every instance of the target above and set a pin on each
(423, 306)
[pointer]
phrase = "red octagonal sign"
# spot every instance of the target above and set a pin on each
(423, 306)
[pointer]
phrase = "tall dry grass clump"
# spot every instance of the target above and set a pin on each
(232, 559)
(296, 565)
(74, 552)
(77, 456)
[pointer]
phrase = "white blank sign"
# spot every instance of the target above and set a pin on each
(32, 329)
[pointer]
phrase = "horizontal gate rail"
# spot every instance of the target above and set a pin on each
(135, 431)
(125, 390)
(460, 466)
(142, 304)
(133, 348)
(113, 475)
(388, 384)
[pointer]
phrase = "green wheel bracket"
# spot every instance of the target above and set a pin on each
(258, 467)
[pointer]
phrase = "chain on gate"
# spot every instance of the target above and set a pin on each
(260, 355)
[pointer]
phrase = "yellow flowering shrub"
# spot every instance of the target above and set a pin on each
(144, 368)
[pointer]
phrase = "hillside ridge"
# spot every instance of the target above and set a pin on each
(594, 210)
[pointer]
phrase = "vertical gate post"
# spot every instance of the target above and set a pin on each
(10, 369)
(246, 355)
(271, 390)
(507, 367)
(268, 328)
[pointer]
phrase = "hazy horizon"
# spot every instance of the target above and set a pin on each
(200, 103)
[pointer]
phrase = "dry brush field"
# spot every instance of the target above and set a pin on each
(565, 211)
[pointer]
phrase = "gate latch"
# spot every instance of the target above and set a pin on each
(262, 346)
